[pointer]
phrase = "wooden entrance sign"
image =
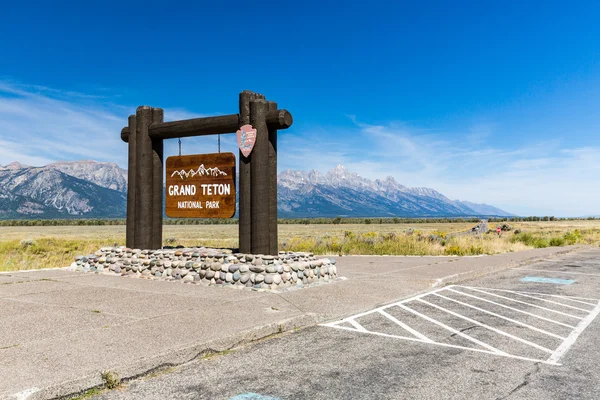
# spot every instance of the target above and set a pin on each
(201, 186)
(260, 120)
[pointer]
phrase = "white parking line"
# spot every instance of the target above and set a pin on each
(503, 317)
(566, 345)
(553, 302)
(570, 298)
(501, 332)
(488, 348)
(456, 332)
(524, 302)
(514, 309)
(406, 327)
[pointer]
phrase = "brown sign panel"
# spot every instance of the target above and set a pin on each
(201, 186)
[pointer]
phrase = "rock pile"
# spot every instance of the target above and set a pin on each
(211, 266)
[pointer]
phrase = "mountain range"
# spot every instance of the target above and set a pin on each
(90, 189)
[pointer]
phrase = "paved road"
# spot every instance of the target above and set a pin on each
(526, 333)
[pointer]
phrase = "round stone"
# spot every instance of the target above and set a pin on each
(233, 267)
(202, 274)
(259, 278)
(271, 269)
(244, 278)
(295, 266)
(221, 275)
(215, 266)
(236, 276)
(286, 268)
(229, 277)
(276, 279)
(280, 269)
(257, 269)
(286, 276)
(300, 274)
(257, 261)
(294, 276)
(269, 279)
(210, 274)
(244, 269)
(183, 272)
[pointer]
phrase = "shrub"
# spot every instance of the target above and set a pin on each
(454, 250)
(27, 243)
(572, 237)
(557, 241)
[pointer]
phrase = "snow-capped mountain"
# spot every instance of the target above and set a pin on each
(83, 190)
(86, 189)
(343, 193)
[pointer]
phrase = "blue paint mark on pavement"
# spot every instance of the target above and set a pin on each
(253, 396)
(556, 281)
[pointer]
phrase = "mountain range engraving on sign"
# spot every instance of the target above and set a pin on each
(200, 186)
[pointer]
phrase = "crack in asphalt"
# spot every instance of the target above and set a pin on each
(526, 381)
(464, 329)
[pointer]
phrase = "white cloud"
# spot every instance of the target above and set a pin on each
(39, 125)
(542, 178)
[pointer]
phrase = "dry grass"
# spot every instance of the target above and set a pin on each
(56, 246)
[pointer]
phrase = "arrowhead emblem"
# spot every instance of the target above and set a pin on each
(246, 137)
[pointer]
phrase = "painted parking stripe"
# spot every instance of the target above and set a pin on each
(591, 302)
(448, 328)
(488, 345)
(555, 281)
(498, 331)
(553, 302)
(524, 302)
(514, 309)
(514, 321)
(405, 327)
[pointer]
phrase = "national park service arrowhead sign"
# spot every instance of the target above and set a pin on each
(201, 186)
(246, 137)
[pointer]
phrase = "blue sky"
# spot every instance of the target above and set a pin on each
(496, 102)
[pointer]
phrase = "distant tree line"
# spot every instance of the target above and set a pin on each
(305, 221)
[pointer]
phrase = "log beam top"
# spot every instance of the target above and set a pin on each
(276, 119)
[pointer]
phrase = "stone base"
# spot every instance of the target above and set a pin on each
(208, 266)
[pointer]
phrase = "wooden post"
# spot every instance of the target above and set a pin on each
(273, 236)
(143, 180)
(157, 183)
(131, 171)
(244, 183)
(260, 178)
(257, 178)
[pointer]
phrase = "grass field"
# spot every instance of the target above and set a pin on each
(55, 246)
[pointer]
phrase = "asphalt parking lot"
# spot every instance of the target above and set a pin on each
(527, 333)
